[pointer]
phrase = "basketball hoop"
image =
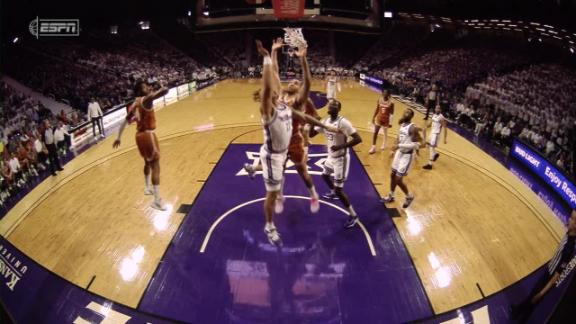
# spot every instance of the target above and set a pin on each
(294, 38)
(288, 9)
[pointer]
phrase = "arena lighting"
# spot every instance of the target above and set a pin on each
(206, 13)
(189, 13)
(388, 14)
(15, 40)
(571, 50)
(540, 40)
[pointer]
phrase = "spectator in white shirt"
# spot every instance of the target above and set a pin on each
(550, 147)
(95, 116)
(60, 138)
(50, 143)
(16, 170)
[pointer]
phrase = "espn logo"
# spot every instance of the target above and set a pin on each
(55, 27)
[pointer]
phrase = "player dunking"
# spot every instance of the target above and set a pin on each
(338, 162)
(382, 119)
(143, 112)
(332, 85)
(295, 96)
(408, 141)
(437, 125)
(276, 118)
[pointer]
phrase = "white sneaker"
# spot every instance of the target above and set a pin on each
(250, 169)
(314, 204)
(148, 192)
(382, 147)
(372, 150)
(279, 205)
(273, 236)
(159, 205)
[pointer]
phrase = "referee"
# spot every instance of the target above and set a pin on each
(556, 266)
(95, 116)
(432, 99)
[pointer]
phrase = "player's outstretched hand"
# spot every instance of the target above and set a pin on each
(116, 143)
(277, 43)
(261, 50)
(301, 52)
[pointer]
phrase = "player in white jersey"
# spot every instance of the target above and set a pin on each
(332, 85)
(276, 119)
(437, 124)
(338, 162)
(408, 141)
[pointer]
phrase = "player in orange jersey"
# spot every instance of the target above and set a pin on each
(382, 118)
(142, 111)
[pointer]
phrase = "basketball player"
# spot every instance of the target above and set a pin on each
(437, 125)
(432, 99)
(382, 118)
(408, 141)
(276, 117)
(332, 85)
(142, 112)
(296, 150)
(338, 162)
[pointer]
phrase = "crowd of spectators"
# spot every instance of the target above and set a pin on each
(533, 104)
(104, 66)
(494, 92)
(24, 149)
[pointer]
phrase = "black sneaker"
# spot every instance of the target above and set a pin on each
(352, 220)
(330, 195)
(407, 202)
(436, 156)
(427, 167)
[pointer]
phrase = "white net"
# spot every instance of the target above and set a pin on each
(294, 38)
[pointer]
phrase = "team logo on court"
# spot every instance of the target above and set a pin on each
(54, 27)
(315, 162)
(11, 269)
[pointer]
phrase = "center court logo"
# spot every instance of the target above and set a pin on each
(54, 27)
(315, 162)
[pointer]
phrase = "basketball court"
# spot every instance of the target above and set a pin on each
(473, 230)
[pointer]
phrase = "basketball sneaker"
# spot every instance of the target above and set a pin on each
(157, 204)
(436, 156)
(273, 236)
(383, 147)
(352, 220)
(250, 169)
(427, 167)
(372, 150)
(408, 201)
(330, 195)
(387, 199)
(148, 192)
(314, 204)
(279, 205)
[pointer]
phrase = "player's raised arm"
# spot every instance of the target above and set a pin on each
(125, 122)
(276, 45)
(266, 105)
(149, 99)
(307, 77)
